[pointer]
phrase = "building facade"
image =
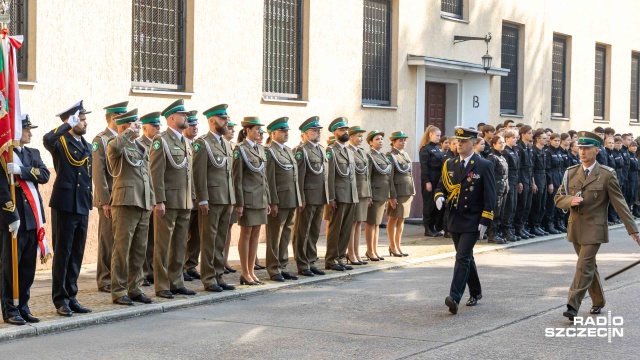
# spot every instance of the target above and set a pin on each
(384, 64)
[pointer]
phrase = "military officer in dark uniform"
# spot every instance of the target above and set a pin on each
(431, 161)
(29, 171)
(513, 162)
(71, 199)
(193, 236)
(525, 183)
(102, 183)
(469, 189)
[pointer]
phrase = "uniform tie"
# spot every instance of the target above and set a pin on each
(586, 173)
(462, 164)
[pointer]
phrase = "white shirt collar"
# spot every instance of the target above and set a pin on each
(354, 148)
(115, 133)
(341, 146)
(315, 145)
(275, 142)
(215, 135)
(398, 150)
(590, 168)
(466, 160)
(179, 134)
(251, 143)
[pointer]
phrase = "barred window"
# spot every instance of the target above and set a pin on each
(558, 75)
(376, 52)
(158, 45)
(452, 8)
(282, 58)
(599, 87)
(635, 91)
(18, 26)
(509, 83)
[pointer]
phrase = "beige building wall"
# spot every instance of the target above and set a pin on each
(80, 49)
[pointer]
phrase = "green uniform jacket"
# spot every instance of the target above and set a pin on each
(313, 172)
(400, 180)
(171, 171)
(282, 174)
(250, 176)
(380, 173)
(363, 182)
(102, 180)
(342, 177)
(213, 170)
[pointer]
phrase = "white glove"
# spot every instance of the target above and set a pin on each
(14, 226)
(74, 119)
(13, 168)
(482, 229)
(439, 202)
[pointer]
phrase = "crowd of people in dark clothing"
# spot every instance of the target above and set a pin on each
(529, 167)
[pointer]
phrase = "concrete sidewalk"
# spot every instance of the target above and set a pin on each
(419, 247)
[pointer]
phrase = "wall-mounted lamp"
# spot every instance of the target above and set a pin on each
(486, 59)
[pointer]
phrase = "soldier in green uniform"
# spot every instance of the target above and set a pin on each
(379, 173)
(171, 175)
(282, 175)
(150, 128)
(343, 196)
(215, 196)
(102, 183)
(131, 202)
(234, 217)
(586, 191)
(326, 214)
(363, 184)
(193, 235)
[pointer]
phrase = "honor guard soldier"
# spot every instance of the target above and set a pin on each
(71, 200)
(363, 184)
(171, 175)
(469, 189)
(343, 196)
(282, 175)
(234, 216)
(215, 196)
(193, 236)
(102, 183)
(150, 128)
(586, 191)
(29, 171)
(131, 202)
(314, 193)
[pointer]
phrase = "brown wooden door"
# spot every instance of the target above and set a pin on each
(435, 103)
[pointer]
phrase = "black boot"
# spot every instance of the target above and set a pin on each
(529, 234)
(551, 229)
(560, 226)
(519, 233)
(543, 231)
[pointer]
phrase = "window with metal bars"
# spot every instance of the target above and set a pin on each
(158, 45)
(635, 90)
(600, 78)
(558, 75)
(18, 26)
(376, 52)
(282, 57)
(509, 83)
(452, 8)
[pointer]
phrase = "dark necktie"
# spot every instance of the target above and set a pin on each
(586, 173)
(462, 164)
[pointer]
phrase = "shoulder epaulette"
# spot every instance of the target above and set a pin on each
(202, 136)
(609, 169)
(573, 166)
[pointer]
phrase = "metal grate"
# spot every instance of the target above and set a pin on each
(376, 52)
(509, 83)
(18, 26)
(599, 87)
(558, 75)
(158, 44)
(282, 58)
(635, 91)
(452, 7)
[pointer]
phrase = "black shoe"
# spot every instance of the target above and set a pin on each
(214, 288)
(243, 281)
(537, 232)
(29, 318)
(64, 310)
(510, 238)
(306, 272)
(229, 269)
(447, 235)
(354, 262)
(570, 313)
(381, 258)
(164, 294)
(437, 234)
(146, 282)
(473, 300)
(595, 310)
(551, 230)
(371, 258)
(452, 304)
(150, 279)
(258, 267)
(543, 231)
(142, 298)
(105, 289)
(16, 320)
(277, 277)
(289, 276)
(610, 223)
(123, 301)
(77, 308)
(335, 267)
(519, 236)
(391, 253)
(186, 276)
(317, 271)
(346, 267)
(226, 286)
(194, 273)
(560, 226)
(530, 235)
(183, 291)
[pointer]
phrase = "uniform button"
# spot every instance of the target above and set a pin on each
(79, 173)
(465, 198)
(78, 185)
(87, 187)
(465, 206)
(25, 200)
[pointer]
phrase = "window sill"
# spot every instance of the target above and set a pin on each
(634, 122)
(27, 84)
(517, 116)
(602, 121)
(283, 101)
(560, 118)
(385, 107)
(161, 92)
(453, 18)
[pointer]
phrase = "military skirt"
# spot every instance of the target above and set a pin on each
(402, 208)
(375, 212)
(361, 209)
(253, 217)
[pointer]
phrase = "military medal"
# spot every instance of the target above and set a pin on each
(471, 188)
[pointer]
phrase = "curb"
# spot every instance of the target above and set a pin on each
(49, 327)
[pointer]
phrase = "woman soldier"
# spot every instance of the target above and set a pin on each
(379, 172)
(501, 173)
(554, 171)
(431, 161)
(539, 180)
(363, 184)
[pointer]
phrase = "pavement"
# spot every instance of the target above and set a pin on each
(397, 313)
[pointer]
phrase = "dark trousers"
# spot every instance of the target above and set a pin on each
(68, 250)
(523, 206)
(510, 205)
(550, 206)
(432, 218)
(538, 202)
(633, 193)
(465, 271)
(27, 254)
(192, 257)
(501, 201)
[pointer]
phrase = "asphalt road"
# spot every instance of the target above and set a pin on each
(394, 314)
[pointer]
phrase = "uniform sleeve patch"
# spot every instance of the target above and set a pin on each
(299, 155)
(236, 154)
(329, 154)
(156, 145)
(196, 147)
(266, 153)
(94, 146)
